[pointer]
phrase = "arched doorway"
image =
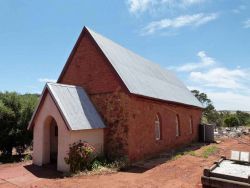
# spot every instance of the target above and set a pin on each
(50, 143)
(53, 141)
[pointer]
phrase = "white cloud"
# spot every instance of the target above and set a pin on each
(214, 76)
(239, 9)
(221, 77)
(46, 80)
(205, 61)
(178, 22)
(246, 24)
(230, 101)
(138, 6)
(191, 2)
(228, 89)
(226, 99)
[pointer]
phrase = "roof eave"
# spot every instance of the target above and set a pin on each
(167, 101)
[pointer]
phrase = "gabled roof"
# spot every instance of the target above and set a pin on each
(139, 75)
(74, 105)
(143, 77)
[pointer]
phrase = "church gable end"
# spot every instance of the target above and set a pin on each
(88, 67)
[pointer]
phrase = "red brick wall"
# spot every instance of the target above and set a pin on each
(131, 124)
(113, 107)
(130, 119)
(141, 136)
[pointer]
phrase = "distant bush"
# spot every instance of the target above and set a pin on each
(220, 118)
(232, 121)
(80, 156)
(244, 118)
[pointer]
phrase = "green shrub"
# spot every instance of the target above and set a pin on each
(96, 164)
(27, 157)
(80, 156)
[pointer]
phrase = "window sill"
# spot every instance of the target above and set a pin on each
(158, 140)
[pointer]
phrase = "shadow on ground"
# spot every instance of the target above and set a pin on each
(47, 171)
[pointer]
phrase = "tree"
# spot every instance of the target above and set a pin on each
(10, 110)
(15, 113)
(243, 117)
(232, 121)
(210, 115)
(202, 97)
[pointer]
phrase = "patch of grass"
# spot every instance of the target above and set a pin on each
(180, 154)
(101, 164)
(177, 156)
(208, 151)
(192, 153)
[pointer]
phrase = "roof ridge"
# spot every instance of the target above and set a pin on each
(63, 85)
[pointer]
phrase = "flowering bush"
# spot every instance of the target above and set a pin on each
(80, 156)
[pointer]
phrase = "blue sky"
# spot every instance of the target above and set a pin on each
(206, 42)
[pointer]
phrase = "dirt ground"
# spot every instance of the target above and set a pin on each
(184, 171)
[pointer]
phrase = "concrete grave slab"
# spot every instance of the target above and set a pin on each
(235, 155)
(245, 156)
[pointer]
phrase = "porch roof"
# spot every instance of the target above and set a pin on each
(75, 106)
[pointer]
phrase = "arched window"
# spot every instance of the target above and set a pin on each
(191, 125)
(157, 128)
(177, 125)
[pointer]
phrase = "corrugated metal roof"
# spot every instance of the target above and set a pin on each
(143, 77)
(75, 107)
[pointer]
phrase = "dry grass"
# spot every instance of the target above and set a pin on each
(209, 150)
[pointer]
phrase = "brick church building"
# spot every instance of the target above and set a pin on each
(118, 101)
